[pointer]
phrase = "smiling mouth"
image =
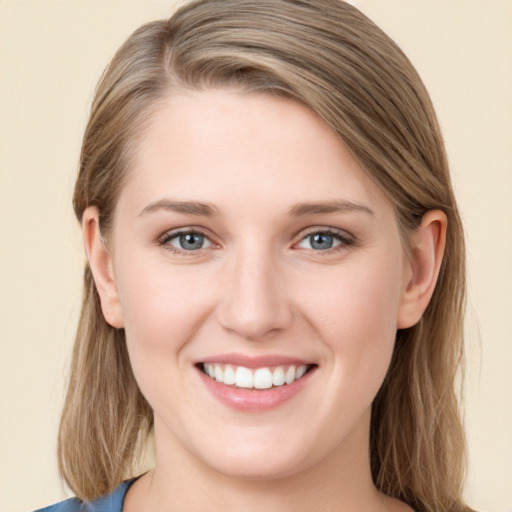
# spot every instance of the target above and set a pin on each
(257, 378)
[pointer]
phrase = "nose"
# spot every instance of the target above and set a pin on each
(254, 304)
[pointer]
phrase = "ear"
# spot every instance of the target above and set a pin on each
(100, 262)
(427, 245)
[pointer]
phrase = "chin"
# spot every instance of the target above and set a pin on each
(260, 459)
(255, 470)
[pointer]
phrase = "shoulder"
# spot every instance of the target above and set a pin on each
(70, 505)
(111, 503)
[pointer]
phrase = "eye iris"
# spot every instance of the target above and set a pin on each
(321, 241)
(191, 241)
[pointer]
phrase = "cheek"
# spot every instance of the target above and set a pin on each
(355, 314)
(356, 300)
(162, 308)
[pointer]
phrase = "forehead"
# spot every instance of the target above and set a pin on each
(231, 148)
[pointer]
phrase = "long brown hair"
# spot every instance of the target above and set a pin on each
(328, 56)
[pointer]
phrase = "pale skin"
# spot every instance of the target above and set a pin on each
(256, 178)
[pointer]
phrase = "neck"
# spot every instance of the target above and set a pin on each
(180, 482)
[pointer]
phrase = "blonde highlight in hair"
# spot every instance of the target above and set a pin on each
(102, 425)
(328, 56)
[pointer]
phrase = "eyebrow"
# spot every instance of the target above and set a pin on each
(302, 209)
(186, 207)
(298, 210)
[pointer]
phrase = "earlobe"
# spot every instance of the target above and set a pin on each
(427, 245)
(100, 262)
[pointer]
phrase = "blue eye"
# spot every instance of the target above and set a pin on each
(188, 241)
(323, 241)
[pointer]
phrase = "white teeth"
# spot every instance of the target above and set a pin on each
(290, 375)
(261, 378)
(278, 376)
(229, 375)
(301, 370)
(244, 378)
(210, 370)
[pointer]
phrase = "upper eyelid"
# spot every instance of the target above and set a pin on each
(165, 238)
(171, 233)
(324, 229)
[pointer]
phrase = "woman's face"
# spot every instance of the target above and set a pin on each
(249, 244)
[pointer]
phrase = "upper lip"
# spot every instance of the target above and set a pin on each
(254, 361)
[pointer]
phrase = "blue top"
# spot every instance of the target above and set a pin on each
(111, 503)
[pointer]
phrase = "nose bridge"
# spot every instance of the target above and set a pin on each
(255, 301)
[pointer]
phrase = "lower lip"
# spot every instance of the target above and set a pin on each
(254, 400)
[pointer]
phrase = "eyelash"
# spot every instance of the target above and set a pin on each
(344, 239)
(167, 237)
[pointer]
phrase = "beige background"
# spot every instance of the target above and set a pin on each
(51, 53)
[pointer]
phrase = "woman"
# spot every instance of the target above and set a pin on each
(275, 279)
